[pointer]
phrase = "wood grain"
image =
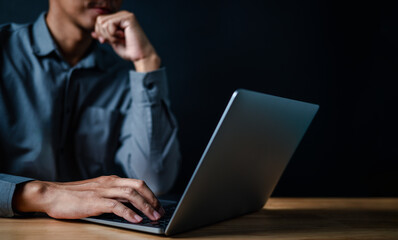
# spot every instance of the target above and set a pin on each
(281, 218)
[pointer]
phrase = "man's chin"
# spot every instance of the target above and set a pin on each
(87, 28)
(88, 24)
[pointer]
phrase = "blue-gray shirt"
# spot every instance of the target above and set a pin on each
(63, 123)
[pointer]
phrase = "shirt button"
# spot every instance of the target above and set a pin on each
(150, 86)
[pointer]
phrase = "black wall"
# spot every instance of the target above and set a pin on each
(338, 54)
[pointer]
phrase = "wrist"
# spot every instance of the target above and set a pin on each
(148, 64)
(29, 196)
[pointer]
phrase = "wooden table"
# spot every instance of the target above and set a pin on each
(281, 218)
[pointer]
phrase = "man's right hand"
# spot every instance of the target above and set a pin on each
(74, 200)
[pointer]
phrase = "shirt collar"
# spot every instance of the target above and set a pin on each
(44, 44)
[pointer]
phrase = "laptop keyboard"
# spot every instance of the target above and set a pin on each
(161, 223)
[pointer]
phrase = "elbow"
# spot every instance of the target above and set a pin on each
(164, 178)
(162, 183)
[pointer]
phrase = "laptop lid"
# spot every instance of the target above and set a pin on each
(244, 159)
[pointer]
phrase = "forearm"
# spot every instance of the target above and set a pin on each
(160, 166)
(91, 197)
(149, 148)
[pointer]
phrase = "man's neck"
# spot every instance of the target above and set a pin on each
(72, 41)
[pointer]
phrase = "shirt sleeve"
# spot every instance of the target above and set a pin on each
(7, 188)
(149, 147)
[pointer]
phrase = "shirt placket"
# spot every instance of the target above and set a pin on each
(64, 164)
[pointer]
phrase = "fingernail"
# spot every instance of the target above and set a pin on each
(138, 218)
(156, 214)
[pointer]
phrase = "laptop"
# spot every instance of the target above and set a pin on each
(243, 161)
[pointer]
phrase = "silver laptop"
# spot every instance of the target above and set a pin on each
(243, 161)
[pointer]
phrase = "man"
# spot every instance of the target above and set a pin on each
(72, 109)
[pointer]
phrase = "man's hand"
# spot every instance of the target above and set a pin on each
(86, 198)
(123, 32)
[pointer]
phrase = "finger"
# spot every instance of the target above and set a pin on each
(134, 198)
(141, 187)
(94, 35)
(100, 30)
(111, 30)
(98, 37)
(120, 34)
(113, 33)
(105, 36)
(113, 206)
(107, 26)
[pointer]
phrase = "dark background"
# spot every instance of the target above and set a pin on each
(338, 54)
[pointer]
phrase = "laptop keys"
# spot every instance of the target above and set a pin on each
(161, 223)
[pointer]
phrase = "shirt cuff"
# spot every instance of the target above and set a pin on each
(7, 188)
(149, 87)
